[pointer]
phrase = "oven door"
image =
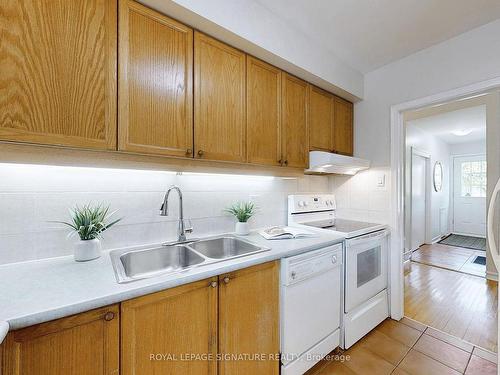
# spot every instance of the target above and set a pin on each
(366, 268)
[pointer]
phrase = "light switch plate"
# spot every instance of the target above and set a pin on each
(381, 181)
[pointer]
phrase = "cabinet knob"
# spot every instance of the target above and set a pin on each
(109, 316)
(286, 162)
(280, 162)
(200, 153)
(189, 151)
(226, 280)
(213, 284)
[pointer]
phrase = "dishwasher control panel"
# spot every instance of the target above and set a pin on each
(304, 266)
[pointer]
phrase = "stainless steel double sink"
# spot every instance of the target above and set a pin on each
(130, 265)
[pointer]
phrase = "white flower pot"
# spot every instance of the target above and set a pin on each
(242, 229)
(87, 250)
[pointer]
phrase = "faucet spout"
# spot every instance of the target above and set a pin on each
(181, 229)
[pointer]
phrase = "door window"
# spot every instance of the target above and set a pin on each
(369, 265)
(473, 183)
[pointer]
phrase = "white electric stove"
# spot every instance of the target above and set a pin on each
(365, 302)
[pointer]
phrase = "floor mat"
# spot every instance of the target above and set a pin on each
(480, 260)
(469, 242)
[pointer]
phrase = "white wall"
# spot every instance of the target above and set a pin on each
(468, 148)
(32, 196)
(252, 27)
(468, 58)
(438, 151)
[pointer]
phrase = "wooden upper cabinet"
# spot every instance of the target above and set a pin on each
(58, 72)
(155, 82)
(321, 119)
(295, 135)
(219, 97)
(263, 112)
(174, 323)
(343, 127)
(249, 319)
(82, 344)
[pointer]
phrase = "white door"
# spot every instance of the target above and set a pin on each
(469, 195)
(418, 200)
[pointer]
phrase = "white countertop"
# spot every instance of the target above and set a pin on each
(39, 291)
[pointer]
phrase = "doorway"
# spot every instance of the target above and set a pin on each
(444, 280)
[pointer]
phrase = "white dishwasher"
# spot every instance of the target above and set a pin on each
(310, 308)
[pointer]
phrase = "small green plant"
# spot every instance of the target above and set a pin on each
(243, 211)
(90, 221)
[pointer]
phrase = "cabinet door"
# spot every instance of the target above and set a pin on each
(321, 110)
(263, 112)
(219, 95)
(82, 344)
(156, 91)
(160, 330)
(58, 72)
(249, 321)
(343, 127)
(294, 127)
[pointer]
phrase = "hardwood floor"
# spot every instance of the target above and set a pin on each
(462, 305)
(408, 348)
(450, 257)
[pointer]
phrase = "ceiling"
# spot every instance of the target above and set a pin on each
(368, 34)
(442, 125)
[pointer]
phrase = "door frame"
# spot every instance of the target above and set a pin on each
(452, 185)
(424, 154)
(398, 135)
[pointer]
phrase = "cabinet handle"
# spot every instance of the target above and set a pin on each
(200, 153)
(226, 280)
(189, 151)
(213, 284)
(109, 316)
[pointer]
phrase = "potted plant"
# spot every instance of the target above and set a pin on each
(89, 222)
(243, 211)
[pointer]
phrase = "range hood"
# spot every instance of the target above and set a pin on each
(321, 162)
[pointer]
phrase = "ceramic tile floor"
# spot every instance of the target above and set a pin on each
(410, 348)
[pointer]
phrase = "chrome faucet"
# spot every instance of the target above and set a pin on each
(181, 229)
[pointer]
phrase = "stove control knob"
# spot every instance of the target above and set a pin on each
(293, 274)
(334, 259)
(302, 204)
(327, 203)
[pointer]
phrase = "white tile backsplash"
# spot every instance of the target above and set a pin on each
(33, 196)
(360, 198)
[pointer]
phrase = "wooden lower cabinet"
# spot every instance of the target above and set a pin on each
(249, 321)
(227, 325)
(83, 344)
(160, 331)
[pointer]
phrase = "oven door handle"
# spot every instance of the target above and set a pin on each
(368, 237)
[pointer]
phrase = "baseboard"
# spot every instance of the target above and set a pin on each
(439, 238)
(492, 275)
